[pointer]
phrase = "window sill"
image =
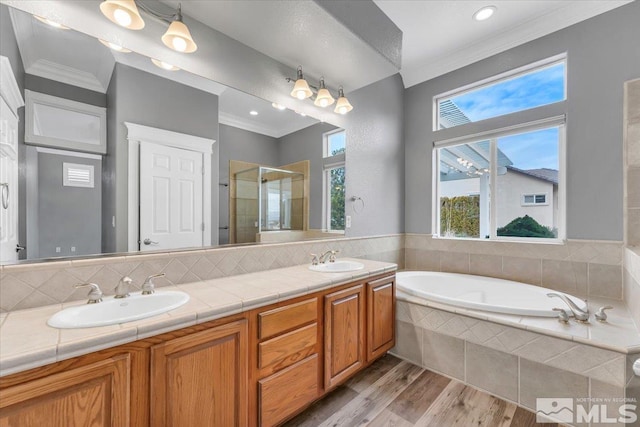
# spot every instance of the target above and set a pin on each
(530, 240)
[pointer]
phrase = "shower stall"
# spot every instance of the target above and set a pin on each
(267, 199)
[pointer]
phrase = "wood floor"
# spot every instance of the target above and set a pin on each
(396, 393)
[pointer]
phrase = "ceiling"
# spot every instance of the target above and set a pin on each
(79, 60)
(441, 36)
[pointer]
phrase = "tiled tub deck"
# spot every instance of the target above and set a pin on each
(519, 358)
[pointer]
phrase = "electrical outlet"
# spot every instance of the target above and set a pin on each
(348, 221)
(73, 248)
(57, 249)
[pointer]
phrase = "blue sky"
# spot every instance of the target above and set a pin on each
(530, 150)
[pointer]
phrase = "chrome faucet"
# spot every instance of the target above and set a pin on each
(331, 255)
(95, 294)
(122, 290)
(579, 314)
(148, 287)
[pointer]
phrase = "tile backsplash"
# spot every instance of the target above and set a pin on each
(33, 285)
(580, 267)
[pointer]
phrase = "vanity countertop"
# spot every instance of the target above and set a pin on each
(26, 341)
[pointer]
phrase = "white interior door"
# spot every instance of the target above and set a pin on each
(8, 183)
(171, 197)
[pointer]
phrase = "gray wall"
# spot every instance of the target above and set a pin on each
(62, 90)
(602, 54)
(240, 144)
(9, 48)
(142, 98)
(306, 144)
(67, 216)
(375, 158)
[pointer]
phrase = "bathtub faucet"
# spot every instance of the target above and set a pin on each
(580, 314)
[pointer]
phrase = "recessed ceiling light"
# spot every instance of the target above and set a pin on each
(164, 65)
(114, 46)
(253, 112)
(278, 106)
(51, 23)
(484, 13)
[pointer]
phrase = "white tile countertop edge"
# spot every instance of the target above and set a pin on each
(26, 341)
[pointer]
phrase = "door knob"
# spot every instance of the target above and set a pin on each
(148, 241)
(20, 248)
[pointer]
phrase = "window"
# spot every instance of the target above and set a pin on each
(534, 199)
(334, 143)
(504, 182)
(527, 87)
(334, 150)
(502, 187)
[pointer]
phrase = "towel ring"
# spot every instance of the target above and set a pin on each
(354, 199)
(5, 194)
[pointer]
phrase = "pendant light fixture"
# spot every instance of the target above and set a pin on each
(178, 36)
(301, 89)
(343, 106)
(323, 98)
(123, 12)
(114, 46)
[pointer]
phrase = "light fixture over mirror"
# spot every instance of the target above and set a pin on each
(301, 89)
(51, 23)
(164, 65)
(323, 98)
(123, 12)
(114, 46)
(126, 14)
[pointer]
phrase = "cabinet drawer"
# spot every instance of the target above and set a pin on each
(285, 350)
(284, 393)
(278, 320)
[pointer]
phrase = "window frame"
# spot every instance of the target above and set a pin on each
(326, 196)
(493, 135)
(534, 203)
(498, 78)
(326, 154)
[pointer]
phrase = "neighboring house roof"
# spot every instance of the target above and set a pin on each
(545, 174)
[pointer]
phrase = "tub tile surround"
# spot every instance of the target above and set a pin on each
(515, 361)
(632, 282)
(583, 268)
(33, 285)
(209, 300)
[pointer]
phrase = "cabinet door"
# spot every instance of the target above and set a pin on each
(97, 394)
(380, 317)
(201, 379)
(344, 334)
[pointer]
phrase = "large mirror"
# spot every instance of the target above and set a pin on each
(115, 152)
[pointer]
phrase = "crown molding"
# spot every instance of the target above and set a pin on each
(238, 122)
(61, 73)
(9, 89)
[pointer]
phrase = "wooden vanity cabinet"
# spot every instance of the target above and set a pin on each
(381, 315)
(344, 329)
(201, 379)
(97, 394)
(258, 368)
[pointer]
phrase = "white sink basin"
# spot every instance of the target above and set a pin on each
(337, 267)
(112, 311)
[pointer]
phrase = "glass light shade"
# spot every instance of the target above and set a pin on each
(114, 46)
(51, 23)
(164, 65)
(324, 98)
(122, 12)
(343, 106)
(179, 38)
(301, 89)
